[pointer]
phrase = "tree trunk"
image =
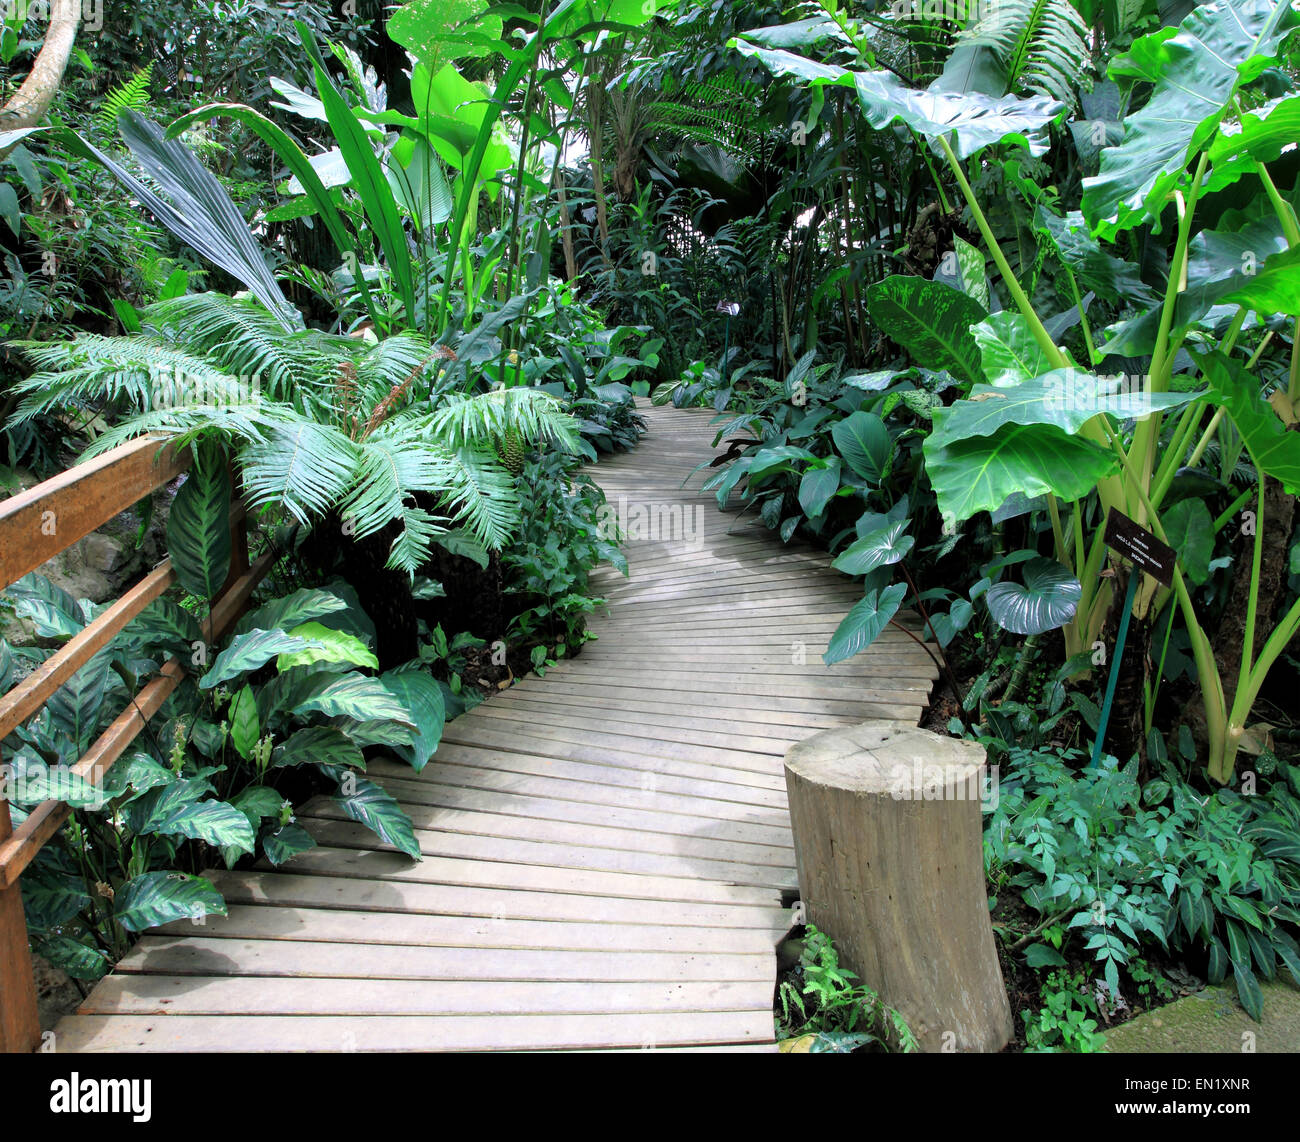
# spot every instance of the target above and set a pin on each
(32, 100)
(889, 843)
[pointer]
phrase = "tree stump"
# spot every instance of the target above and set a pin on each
(889, 844)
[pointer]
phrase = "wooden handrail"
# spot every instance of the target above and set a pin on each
(36, 525)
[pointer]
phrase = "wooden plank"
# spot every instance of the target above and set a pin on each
(199, 1033)
(20, 1026)
(37, 524)
(245, 995)
(209, 956)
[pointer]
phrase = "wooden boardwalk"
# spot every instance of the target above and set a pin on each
(607, 853)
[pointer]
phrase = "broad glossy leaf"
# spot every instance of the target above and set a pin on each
(136, 774)
(422, 696)
(818, 485)
(251, 651)
(1259, 136)
(981, 473)
(797, 34)
(878, 549)
(972, 121)
(932, 321)
(321, 745)
(1064, 398)
(375, 808)
(163, 626)
(1009, 354)
(160, 897)
(286, 842)
(302, 606)
(863, 441)
(1271, 446)
(1093, 268)
(245, 726)
(1275, 288)
(358, 697)
(177, 810)
(50, 609)
(73, 958)
(51, 898)
(334, 647)
(1046, 600)
(1191, 534)
(256, 803)
(863, 624)
(1196, 71)
(198, 527)
(76, 706)
(776, 457)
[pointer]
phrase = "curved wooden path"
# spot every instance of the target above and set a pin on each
(607, 855)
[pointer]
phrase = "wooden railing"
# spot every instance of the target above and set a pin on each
(36, 525)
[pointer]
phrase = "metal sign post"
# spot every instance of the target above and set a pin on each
(1147, 554)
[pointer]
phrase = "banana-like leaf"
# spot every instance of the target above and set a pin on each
(1046, 600)
(156, 898)
(863, 624)
(336, 650)
(932, 321)
(305, 605)
(367, 175)
(1197, 72)
(876, 549)
(981, 473)
(198, 527)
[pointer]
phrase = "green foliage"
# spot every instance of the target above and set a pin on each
(821, 998)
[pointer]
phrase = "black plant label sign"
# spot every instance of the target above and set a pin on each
(1140, 547)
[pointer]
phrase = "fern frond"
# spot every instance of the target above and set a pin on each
(307, 467)
(530, 414)
(133, 95)
(1040, 44)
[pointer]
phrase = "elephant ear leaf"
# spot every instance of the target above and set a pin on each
(198, 528)
(1046, 600)
(1197, 72)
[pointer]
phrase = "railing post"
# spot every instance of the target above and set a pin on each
(20, 1026)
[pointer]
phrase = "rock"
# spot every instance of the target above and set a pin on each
(1212, 1020)
(102, 552)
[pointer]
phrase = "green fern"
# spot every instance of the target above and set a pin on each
(133, 95)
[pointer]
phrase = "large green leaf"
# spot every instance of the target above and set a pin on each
(198, 527)
(818, 484)
(971, 121)
(73, 958)
(1046, 600)
(1065, 398)
(176, 809)
(379, 811)
(1273, 449)
(422, 696)
(1191, 533)
(876, 549)
(981, 473)
(355, 696)
(286, 842)
(51, 898)
(304, 605)
(75, 707)
(1260, 136)
(50, 609)
(319, 745)
(163, 626)
(1197, 72)
(863, 441)
(377, 198)
(863, 624)
(932, 321)
(334, 648)
(1093, 268)
(434, 30)
(160, 897)
(1009, 352)
(250, 651)
(245, 725)
(1275, 288)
